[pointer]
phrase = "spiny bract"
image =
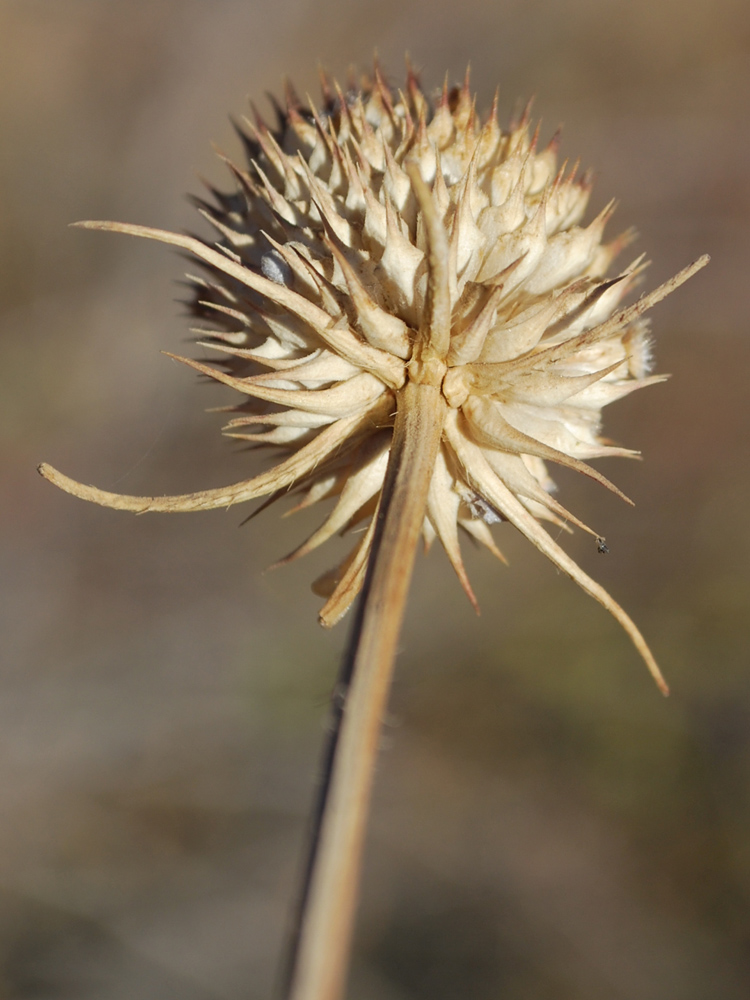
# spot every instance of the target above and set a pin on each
(379, 224)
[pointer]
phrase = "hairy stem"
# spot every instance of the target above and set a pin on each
(321, 949)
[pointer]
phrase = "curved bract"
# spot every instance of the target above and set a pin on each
(383, 238)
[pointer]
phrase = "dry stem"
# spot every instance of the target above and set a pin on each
(321, 954)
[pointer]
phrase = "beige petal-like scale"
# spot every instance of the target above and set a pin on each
(489, 427)
(384, 239)
(348, 580)
(442, 510)
(516, 476)
(547, 387)
(482, 534)
(360, 487)
(471, 457)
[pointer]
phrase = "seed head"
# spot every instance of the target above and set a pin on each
(385, 237)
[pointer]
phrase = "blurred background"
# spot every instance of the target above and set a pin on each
(545, 824)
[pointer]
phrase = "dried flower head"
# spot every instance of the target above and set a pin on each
(383, 239)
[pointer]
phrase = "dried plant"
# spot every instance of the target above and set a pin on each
(409, 304)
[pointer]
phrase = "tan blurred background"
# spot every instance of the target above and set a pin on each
(546, 826)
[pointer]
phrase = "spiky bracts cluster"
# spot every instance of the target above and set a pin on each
(384, 238)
